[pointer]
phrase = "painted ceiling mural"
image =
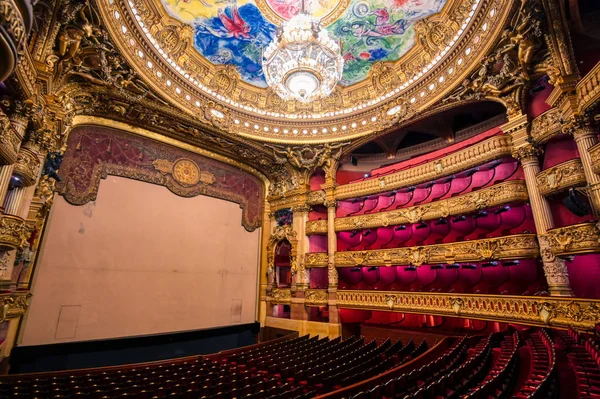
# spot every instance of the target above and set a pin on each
(235, 31)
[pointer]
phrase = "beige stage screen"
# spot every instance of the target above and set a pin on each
(141, 260)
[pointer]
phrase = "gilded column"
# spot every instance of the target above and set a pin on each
(582, 130)
(332, 274)
(13, 131)
(302, 276)
(555, 269)
(13, 201)
(264, 276)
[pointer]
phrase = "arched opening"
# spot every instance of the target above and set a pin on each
(283, 271)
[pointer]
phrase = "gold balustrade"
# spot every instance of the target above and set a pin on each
(576, 239)
(278, 295)
(559, 312)
(595, 155)
(316, 298)
(14, 231)
(517, 246)
(588, 88)
(474, 155)
(561, 177)
(546, 126)
(315, 259)
(499, 194)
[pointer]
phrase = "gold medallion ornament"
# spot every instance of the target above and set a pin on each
(186, 172)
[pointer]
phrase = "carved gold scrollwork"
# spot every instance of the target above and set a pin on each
(14, 231)
(576, 239)
(508, 192)
(316, 259)
(509, 247)
(561, 177)
(560, 312)
(280, 296)
(316, 297)
(27, 166)
(13, 305)
(546, 126)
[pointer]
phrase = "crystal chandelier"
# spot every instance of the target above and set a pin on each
(302, 62)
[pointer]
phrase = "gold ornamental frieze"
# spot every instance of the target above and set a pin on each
(315, 259)
(563, 312)
(576, 239)
(507, 192)
(561, 177)
(184, 172)
(595, 155)
(279, 295)
(546, 126)
(510, 247)
(9, 141)
(477, 154)
(13, 305)
(588, 89)
(14, 231)
(316, 298)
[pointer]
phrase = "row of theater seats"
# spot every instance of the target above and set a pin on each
(493, 222)
(510, 277)
(485, 175)
(511, 364)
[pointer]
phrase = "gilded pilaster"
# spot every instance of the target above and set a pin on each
(301, 274)
(13, 201)
(555, 270)
(586, 137)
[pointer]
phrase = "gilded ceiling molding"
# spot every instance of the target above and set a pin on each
(316, 259)
(562, 312)
(280, 296)
(561, 177)
(93, 153)
(493, 148)
(510, 247)
(576, 239)
(588, 89)
(433, 67)
(546, 126)
(499, 194)
(316, 298)
(595, 155)
(13, 305)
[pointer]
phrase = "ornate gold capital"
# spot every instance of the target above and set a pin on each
(527, 153)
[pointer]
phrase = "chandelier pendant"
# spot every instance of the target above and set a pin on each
(303, 62)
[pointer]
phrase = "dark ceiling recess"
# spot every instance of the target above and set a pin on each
(442, 125)
(583, 17)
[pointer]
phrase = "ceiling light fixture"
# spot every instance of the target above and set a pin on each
(302, 62)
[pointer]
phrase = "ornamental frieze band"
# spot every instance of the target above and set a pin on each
(561, 177)
(546, 126)
(510, 247)
(595, 155)
(477, 154)
(576, 239)
(538, 311)
(315, 259)
(316, 297)
(503, 193)
(280, 296)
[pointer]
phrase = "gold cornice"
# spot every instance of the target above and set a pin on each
(499, 194)
(588, 89)
(316, 298)
(510, 247)
(561, 177)
(82, 120)
(595, 155)
(426, 90)
(315, 259)
(477, 154)
(576, 239)
(562, 312)
(546, 126)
